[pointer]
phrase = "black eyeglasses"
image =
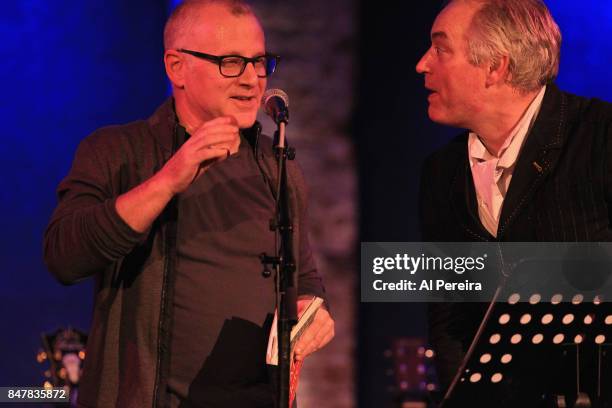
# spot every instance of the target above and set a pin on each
(232, 66)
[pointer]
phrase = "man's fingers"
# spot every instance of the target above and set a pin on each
(208, 156)
(214, 141)
(323, 335)
(220, 121)
(327, 338)
(225, 136)
(222, 128)
(219, 132)
(320, 332)
(215, 152)
(316, 344)
(225, 140)
(216, 134)
(227, 150)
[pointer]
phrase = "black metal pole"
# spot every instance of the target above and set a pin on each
(286, 277)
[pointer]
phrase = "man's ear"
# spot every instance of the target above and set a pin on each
(498, 71)
(175, 67)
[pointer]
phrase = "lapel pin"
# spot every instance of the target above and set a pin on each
(538, 167)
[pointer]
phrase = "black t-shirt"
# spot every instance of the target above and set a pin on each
(222, 303)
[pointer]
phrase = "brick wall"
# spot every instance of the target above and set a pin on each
(316, 40)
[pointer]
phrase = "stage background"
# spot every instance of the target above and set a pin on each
(358, 119)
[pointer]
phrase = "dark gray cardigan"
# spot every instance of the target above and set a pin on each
(128, 348)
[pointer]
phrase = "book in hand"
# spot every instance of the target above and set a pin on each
(305, 320)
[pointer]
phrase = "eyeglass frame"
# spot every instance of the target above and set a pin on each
(218, 59)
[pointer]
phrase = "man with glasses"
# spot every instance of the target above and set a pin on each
(170, 216)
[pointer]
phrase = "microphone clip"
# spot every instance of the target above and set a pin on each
(287, 152)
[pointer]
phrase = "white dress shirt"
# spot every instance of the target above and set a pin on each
(492, 174)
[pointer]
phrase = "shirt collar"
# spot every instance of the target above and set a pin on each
(511, 148)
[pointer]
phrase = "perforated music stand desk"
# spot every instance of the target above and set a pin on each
(539, 348)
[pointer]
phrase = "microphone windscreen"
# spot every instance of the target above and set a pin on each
(271, 93)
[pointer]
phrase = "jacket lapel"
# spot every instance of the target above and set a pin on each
(463, 199)
(537, 158)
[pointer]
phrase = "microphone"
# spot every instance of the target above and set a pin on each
(275, 103)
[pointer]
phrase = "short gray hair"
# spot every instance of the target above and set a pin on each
(525, 31)
(187, 14)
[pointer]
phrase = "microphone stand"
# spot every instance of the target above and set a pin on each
(284, 265)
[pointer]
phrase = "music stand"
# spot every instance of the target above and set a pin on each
(547, 347)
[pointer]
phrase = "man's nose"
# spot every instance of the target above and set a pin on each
(422, 66)
(249, 76)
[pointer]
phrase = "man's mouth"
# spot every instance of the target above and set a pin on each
(243, 98)
(245, 102)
